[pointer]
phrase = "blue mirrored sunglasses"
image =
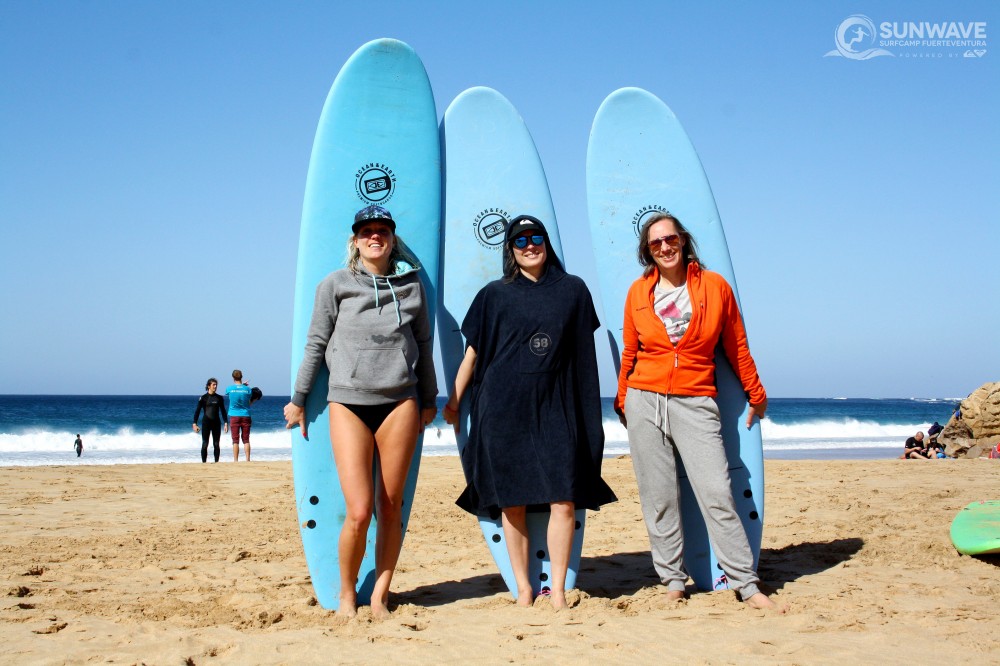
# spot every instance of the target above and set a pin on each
(521, 242)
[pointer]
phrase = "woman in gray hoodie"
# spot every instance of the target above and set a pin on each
(370, 325)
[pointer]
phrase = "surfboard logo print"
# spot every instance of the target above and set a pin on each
(490, 226)
(375, 182)
(643, 214)
(540, 344)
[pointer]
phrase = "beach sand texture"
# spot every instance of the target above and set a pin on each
(196, 564)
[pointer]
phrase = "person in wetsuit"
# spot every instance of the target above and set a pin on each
(215, 418)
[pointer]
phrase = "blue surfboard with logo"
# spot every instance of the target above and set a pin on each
(640, 161)
(492, 174)
(377, 142)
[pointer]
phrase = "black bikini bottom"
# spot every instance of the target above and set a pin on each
(372, 415)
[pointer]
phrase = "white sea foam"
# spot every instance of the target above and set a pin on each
(835, 429)
(44, 447)
(43, 441)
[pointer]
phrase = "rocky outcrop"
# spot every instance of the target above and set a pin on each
(978, 429)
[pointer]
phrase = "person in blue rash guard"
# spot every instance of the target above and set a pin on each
(240, 397)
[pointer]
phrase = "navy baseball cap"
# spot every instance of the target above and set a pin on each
(523, 223)
(372, 213)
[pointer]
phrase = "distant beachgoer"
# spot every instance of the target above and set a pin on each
(914, 447)
(676, 316)
(215, 418)
(371, 327)
(78, 445)
(934, 449)
(240, 397)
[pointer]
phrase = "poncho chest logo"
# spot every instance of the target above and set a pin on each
(540, 344)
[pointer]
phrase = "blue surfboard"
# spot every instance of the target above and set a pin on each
(377, 142)
(640, 161)
(492, 174)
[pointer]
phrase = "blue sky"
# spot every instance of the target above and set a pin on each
(153, 159)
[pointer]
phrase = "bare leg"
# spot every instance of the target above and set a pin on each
(395, 441)
(246, 447)
(236, 451)
(353, 449)
(515, 530)
(562, 522)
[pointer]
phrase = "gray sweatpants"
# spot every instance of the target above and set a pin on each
(660, 426)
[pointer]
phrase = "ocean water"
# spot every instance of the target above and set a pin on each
(40, 429)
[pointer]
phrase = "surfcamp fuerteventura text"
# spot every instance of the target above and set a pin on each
(858, 38)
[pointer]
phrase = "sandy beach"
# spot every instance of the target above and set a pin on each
(195, 564)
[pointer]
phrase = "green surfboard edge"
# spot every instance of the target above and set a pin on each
(976, 528)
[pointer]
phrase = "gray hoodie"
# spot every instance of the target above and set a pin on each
(374, 333)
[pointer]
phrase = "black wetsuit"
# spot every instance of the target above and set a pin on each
(214, 406)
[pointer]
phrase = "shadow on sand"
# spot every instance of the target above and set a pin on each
(624, 574)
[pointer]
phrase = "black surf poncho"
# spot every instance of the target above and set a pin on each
(536, 435)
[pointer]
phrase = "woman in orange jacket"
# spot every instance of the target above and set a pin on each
(675, 316)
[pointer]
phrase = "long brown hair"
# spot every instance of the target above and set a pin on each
(646, 257)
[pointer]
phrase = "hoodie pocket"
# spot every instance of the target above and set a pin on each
(380, 369)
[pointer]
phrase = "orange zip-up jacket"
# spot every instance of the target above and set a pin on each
(652, 363)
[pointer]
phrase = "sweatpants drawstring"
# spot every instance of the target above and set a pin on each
(666, 413)
(663, 425)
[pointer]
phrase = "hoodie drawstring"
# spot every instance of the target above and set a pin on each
(399, 319)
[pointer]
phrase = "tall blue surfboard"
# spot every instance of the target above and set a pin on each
(377, 142)
(492, 174)
(640, 161)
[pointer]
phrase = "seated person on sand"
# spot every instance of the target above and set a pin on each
(914, 447)
(934, 448)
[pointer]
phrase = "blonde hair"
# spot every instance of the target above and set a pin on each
(399, 253)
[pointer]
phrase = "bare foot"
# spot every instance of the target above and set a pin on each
(558, 600)
(675, 595)
(342, 616)
(380, 610)
(348, 607)
(761, 601)
(525, 598)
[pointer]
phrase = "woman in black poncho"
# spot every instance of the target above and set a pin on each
(536, 437)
